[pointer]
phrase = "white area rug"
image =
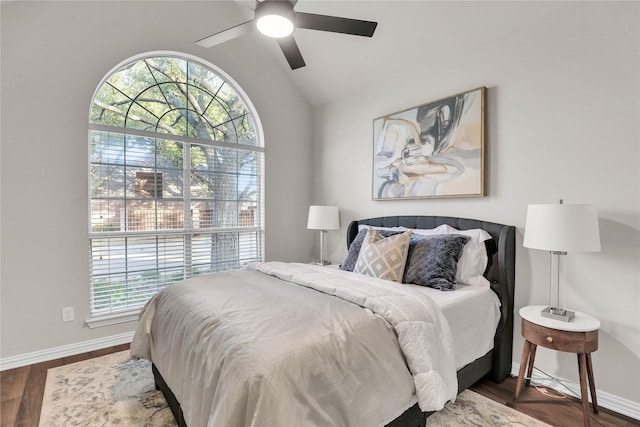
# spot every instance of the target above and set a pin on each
(115, 390)
(473, 409)
(112, 390)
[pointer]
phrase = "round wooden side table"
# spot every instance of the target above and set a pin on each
(579, 336)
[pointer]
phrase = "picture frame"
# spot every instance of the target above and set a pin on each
(433, 150)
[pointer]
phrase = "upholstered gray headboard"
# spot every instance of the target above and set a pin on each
(500, 271)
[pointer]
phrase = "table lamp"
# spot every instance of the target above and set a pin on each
(323, 218)
(561, 228)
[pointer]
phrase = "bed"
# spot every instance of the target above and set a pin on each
(376, 344)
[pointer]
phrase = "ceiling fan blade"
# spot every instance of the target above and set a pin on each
(228, 34)
(335, 24)
(291, 52)
(249, 4)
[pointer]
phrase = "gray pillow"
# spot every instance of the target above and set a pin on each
(349, 262)
(433, 260)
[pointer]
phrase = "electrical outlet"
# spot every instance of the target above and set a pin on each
(67, 314)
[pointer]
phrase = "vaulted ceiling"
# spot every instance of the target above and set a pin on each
(411, 36)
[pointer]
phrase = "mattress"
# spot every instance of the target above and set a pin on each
(469, 310)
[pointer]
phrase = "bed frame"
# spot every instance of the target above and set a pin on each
(500, 272)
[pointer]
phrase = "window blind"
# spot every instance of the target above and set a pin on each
(146, 235)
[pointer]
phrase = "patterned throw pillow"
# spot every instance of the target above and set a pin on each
(433, 260)
(383, 257)
(349, 262)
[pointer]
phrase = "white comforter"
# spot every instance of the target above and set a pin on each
(247, 349)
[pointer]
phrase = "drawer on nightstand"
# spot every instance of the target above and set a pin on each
(569, 341)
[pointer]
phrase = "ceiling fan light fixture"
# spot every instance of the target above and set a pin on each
(275, 18)
(275, 26)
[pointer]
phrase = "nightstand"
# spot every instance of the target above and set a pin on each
(579, 336)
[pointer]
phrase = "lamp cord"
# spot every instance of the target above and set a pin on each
(538, 383)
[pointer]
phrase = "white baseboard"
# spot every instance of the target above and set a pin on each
(64, 351)
(612, 402)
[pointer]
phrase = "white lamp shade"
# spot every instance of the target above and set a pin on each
(323, 218)
(562, 228)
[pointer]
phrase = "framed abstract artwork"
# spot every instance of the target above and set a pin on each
(433, 150)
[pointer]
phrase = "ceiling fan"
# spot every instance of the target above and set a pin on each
(277, 19)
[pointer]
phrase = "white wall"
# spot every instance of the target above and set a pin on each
(563, 122)
(54, 54)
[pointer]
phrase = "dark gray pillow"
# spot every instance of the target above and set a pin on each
(349, 262)
(433, 260)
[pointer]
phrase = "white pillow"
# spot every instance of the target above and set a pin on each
(441, 229)
(363, 226)
(473, 261)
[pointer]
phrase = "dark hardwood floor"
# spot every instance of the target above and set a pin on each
(21, 392)
(553, 408)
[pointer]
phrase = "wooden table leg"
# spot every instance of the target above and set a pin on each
(532, 358)
(582, 370)
(592, 384)
(523, 366)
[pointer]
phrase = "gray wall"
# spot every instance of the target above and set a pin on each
(563, 122)
(54, 55)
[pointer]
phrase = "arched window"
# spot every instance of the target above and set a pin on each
(175, 180)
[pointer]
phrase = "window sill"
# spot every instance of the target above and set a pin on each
(112, 319)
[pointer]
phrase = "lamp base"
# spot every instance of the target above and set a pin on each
(322, 262)
(558, 314)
